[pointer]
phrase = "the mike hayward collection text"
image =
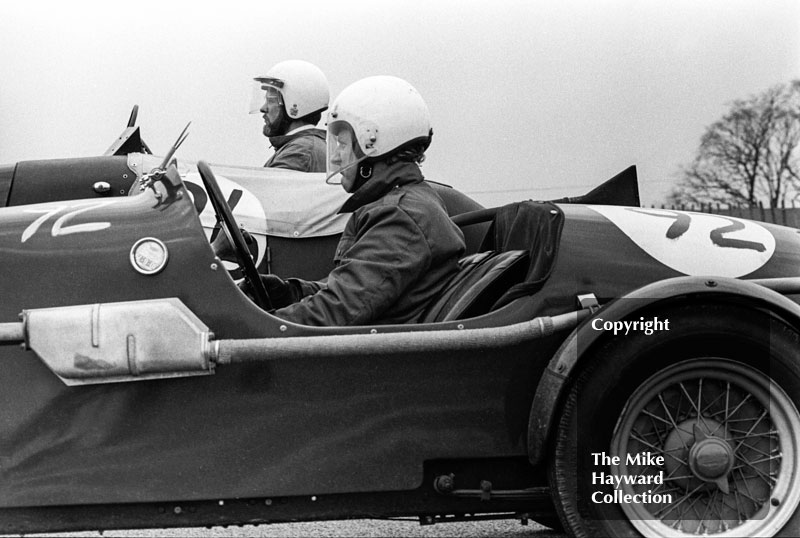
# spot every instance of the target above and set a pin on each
(623, 483)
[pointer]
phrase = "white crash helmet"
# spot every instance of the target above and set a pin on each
(302, 85)
(383, 113)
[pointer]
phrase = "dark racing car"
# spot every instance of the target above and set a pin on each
(614, 370)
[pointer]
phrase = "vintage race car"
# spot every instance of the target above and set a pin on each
(614, 370)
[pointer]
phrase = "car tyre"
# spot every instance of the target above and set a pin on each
(675, 394)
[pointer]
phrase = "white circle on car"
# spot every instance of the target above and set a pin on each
(149, 255)
(695, 243)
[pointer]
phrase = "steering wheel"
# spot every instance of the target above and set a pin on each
(231, 229)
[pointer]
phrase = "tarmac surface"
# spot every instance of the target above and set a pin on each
(357, 528)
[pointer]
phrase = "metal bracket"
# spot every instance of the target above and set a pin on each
(486, 490)
(589, 300)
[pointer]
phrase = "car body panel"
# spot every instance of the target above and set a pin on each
(596, 256)
(68, 179)
(237, 433)
(288, 428)
(6, 177)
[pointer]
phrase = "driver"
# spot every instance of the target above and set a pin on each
(292, 96)
(399, 247)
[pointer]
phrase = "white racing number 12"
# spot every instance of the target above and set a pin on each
(695, 243)
(60, 225)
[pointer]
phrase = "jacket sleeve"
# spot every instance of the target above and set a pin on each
(389, 254)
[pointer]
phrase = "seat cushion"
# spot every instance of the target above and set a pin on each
(483, 278)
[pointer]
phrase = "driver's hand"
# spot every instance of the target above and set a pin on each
(224, 250)
(281, 292)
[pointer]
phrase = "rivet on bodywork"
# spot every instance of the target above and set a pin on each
(177, 509)
(213, 266)
(284, 328)
(268, 502)
(460, 326)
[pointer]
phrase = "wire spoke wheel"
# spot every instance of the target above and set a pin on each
(691, 431)
(725, 439)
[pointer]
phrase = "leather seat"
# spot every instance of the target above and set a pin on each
(482, 280)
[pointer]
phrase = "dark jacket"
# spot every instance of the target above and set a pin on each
(397, 252)
(304, 151)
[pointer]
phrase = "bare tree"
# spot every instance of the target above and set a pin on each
(750, 156)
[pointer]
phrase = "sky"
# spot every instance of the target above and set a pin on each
(529, 100)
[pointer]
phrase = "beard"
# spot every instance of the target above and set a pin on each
(276, 127)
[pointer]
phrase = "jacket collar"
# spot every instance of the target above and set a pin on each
(278, 142)
(384, 178)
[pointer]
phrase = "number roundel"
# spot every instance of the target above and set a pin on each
(695, 243)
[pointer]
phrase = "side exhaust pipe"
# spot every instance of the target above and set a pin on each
(351, 345)
(155, 339)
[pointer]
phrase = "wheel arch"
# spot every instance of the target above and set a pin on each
(577, 348)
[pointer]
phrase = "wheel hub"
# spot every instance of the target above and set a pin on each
(699, 455)
(710, 459)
